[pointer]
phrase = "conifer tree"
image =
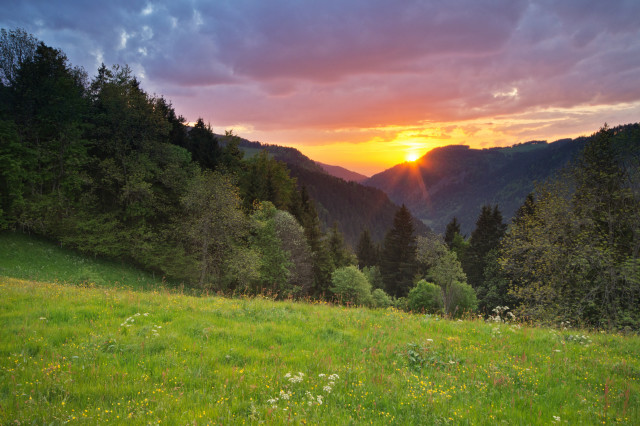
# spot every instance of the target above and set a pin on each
(453, 228)
(489, 231)
(399, 254)
(368, 252)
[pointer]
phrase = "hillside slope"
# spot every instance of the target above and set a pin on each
(354, 206)
(457, 180)
(343, 173)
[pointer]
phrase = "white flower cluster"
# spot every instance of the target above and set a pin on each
(309, 398)
(128, 322)
(295, 379)
(576, 338)
(501, 315)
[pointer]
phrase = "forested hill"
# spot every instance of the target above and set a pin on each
(343, 173)
(353, 206)
(457, 180)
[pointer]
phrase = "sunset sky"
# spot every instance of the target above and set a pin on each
(364, 84)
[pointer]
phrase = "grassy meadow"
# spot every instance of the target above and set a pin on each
(107, 350)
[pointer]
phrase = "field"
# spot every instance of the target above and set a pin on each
(76, 351)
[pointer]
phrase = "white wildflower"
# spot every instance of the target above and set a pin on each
(333, 377)
(321, 375)
(319, 399)
(327, 389)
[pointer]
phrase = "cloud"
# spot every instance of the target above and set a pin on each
(308, 68)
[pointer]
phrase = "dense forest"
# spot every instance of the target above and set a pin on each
(350, 205)
(99, 165)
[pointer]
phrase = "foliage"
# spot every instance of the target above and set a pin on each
(367, 251)
(425, 297)
(484, 238)
(567, 254)
(399, 254)
(452, 229)
(380, 299)
(338, 251)
(459, 298)
(440, 265)
(374, 276)
(350, 286)
(213, 223)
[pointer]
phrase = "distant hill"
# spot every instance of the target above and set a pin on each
(354, 206)
(343, 173)
(457, 180)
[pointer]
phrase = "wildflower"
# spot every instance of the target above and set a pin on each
(321, 375)
(333, 377)
(319, 399)
(327, 389)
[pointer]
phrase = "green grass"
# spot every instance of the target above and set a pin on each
(28, 257)
(98, 354)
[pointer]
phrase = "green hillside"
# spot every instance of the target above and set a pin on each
(92, 355)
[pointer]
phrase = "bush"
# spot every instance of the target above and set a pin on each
(380, 299)
(460, 298)
(351, 286)
(425, 297)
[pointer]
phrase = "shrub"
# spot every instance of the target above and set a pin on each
(460, 298)
(425, 297)
(380, 298)
(351, 286)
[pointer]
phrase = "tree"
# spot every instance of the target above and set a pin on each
(485, 237)
(293, 242)
(453, 229)
(380, 299)
(566, 256)
(340, 254)
(213, 224)
(266, 179)
(425, 296)
(275, 262)
(203, 145)
(368, 252)
(398, 254)
(16, 47)
(351, 286)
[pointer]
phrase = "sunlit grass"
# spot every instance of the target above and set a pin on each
(94, 355)
(28, 257)
(113, 353)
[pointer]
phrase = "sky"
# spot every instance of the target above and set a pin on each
(365, 84)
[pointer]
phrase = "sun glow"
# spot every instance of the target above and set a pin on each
(412, 156)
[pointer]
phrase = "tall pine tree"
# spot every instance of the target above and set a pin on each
(489, 231)
(399, 254)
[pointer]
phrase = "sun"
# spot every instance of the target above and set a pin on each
(412, 156)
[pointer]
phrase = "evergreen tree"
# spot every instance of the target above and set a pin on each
(340, 254)
(368, 252)
(203, 145)
(398, 258)
(485, 237)
(452, 229)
